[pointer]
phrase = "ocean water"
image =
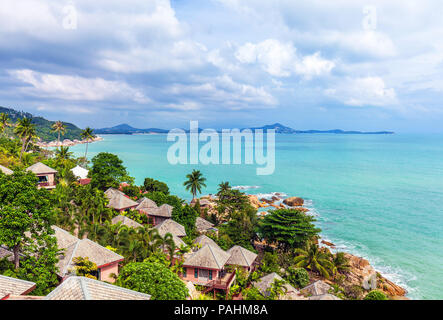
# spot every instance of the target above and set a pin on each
(377, 196)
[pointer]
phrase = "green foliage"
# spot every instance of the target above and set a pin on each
(315, 259)
(277, 289)
(270, 263)
(186, 216)
(153, 278)
(84, 267)
(44, 128)
(152, 185)
(298, 277)
(132, 191)
(341, 263)
(252, 293)
(288, 228)
(376, 295)
(108, 171)
(195, 182)
(26, 217)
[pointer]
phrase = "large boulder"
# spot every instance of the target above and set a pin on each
(253, 200)
(294, 202)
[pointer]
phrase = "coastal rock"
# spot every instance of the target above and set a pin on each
(253, 200)
(390, 288)
(294, 201)
(329, 244)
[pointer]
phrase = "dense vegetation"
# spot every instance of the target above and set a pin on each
(44, 128)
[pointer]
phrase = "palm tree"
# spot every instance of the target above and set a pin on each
(195, 182)
(223, 187)
(4, 121)
(341, 263)
(315, 260)
(63, 153)
(60, 128)
(88, 135)
(25, 129)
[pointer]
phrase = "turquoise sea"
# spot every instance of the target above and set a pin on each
(377, 196)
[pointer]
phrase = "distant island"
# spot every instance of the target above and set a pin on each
(279, 128)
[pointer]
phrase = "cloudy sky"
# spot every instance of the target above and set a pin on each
(318, 64)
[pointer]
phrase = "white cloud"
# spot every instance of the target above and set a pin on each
(75, 88)
(280, 59)
(367, 91)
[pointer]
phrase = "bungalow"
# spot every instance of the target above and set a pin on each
(82, 288)
(264, 285)
(119, 201)
(155, 213)
(203, 240)
(204, 226)
(170, 226)
(6, 171)
(126, 222)
(81, 174)
(45, 175)
(242, 257)
(106, 260)
(206, 267)
(14, 287)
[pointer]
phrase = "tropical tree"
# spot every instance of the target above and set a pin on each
(4, 121)
(288, 228)
(84, 267)
(153, 278)
(314, 259)
(63, 153)
(341, 263)
(25, 129)
(223, 188)
(108, 171)
(87, 135)
(195, 182)
(60, 128)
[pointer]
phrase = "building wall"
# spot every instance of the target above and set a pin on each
(105, 272)
(203, 275)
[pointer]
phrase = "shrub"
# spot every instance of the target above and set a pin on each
(152, 185)
(376, 295)
(153, 278)
(298, 277)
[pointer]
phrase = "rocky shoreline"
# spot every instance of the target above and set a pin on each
(361, 273)
(67, 142)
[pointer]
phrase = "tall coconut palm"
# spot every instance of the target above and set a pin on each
(63, 153)
(87, 135)
(60, 128)
(4, 121)
(25, 129)
(195, 182)
(315, 260)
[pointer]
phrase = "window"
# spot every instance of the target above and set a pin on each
(210, 274)
(185, 272)
(196, 273)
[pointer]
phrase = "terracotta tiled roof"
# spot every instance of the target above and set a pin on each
(82, 288)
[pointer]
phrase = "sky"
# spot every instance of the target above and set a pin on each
(318, 64)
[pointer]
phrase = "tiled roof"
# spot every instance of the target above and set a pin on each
(203, 225)
(170, 226)
(82, 288)
(12, 286)
(264, 283)
(6, 170)
(74, 247)
(210, 257)
(40, 168)
(204, 240)
(126, 221)
(146, 205)
(165, 210)
(240, 256)
(119, 201)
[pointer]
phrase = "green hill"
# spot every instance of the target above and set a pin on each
(43, 126)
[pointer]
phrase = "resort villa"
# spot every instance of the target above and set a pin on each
(81, 174)
(156, 214)
(106, 260)
(208, 265)
(126, 222)
(204, 226)
(119, 201)
(45, 175)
